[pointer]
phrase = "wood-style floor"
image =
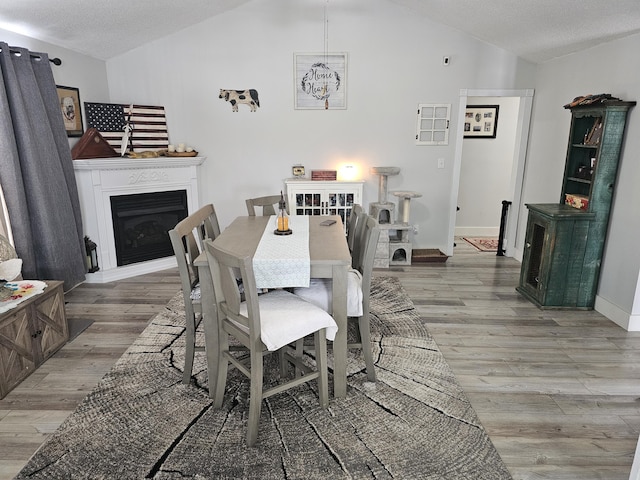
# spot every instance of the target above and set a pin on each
(557, 391)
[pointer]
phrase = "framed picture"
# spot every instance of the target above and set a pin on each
(481, 121)
(298, 171)
(70, 107)
(320, 81)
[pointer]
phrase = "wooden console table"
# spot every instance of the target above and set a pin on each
(30, 333)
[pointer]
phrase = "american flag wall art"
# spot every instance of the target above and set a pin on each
(149, 124)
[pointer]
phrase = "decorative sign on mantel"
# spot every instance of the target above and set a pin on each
(146, 125)
(320, 81)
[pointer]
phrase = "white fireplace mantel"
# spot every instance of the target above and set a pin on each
(99, 179)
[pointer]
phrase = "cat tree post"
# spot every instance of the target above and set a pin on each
(382, 210)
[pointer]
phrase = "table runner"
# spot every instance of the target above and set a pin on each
(283, 260)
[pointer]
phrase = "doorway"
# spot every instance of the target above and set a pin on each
(522, 120)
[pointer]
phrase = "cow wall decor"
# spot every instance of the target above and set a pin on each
(234, 97)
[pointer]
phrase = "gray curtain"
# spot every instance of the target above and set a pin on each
(36, 171)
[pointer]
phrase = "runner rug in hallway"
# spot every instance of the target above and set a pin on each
(484, 244)
(141, 422)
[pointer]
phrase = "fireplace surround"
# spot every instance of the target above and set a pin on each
(101, 181)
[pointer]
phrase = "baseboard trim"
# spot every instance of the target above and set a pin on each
(631, 323)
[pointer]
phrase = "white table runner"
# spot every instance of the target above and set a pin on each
(283, 260)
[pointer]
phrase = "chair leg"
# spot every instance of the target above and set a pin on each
(299, 354)
(320, 341)
(255, 397)
(223, 367)
(190, 339)
(365, 338)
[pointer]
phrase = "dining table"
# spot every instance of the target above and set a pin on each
(329, 257)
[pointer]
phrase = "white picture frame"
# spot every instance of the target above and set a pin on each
(320, 81)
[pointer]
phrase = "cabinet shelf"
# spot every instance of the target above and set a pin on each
(585, 145)
(579, 180)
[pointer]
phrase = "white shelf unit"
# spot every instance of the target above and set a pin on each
(319, 197)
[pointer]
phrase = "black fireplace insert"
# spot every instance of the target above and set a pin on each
(141, 223)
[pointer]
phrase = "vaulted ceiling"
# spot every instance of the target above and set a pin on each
(536, 30)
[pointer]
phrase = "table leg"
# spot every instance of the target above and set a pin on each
(209, 319)
(339, 309)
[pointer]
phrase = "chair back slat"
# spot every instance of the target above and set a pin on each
(225, 268)
(371, 235)
(360, 242)
(352, 225)
(269, 205)
(187, 237)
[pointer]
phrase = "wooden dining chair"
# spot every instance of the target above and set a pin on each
(269, 205)
(187, 239)
(358, 291)
(263, 324)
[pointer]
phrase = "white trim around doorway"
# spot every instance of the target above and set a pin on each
(517, 176)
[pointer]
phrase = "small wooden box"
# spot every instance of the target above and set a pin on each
(324, 174)
(576, 201)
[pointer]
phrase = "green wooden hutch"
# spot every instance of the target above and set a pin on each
(564, 241)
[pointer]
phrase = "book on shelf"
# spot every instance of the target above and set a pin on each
(594, 135)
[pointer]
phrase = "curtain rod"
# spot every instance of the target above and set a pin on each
(55, 61)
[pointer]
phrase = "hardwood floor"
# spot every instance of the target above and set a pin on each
(557, 391)
(37, 406)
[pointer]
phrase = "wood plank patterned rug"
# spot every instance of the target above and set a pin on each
(141, 422)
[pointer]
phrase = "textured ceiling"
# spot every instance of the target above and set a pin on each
(537, 30)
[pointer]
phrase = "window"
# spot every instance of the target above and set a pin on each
(433, 124)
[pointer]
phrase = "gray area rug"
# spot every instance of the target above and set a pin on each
(141, 422)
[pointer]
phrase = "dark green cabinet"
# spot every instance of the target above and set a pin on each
(563, 243)
(553, 270)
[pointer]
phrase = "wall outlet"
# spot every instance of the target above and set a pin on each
(441, 163)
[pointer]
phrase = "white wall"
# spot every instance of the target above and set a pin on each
(485, 172)
(609, 68)
(394, 63)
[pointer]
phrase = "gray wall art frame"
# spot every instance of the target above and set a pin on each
(481, 121)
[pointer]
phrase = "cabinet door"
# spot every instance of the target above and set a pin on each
(340, 202)
(532, 271)
(17, 357)
(308, 203)
(50, 323)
